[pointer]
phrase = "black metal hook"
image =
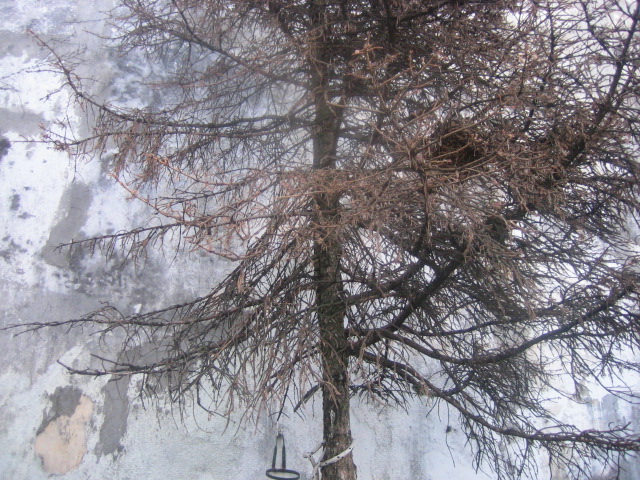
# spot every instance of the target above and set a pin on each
(281, 472)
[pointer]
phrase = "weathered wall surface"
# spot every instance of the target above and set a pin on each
(53, 423)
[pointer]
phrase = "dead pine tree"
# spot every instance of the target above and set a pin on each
(424, 198)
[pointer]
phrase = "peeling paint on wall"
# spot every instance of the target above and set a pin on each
(61, 442)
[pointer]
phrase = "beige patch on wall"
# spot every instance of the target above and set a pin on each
(63, 443)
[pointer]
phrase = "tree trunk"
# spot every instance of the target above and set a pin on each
(335, 362)
(330, 304)
(331, 313)
(327, 257)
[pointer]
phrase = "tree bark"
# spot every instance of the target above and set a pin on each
(330, 307)
(333, 346)
(327, 257)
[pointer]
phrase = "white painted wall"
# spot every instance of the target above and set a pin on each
(46, 200)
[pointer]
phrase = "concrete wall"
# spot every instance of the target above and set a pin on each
(71, 427)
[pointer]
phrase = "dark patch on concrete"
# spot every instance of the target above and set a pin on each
(116, 405)
(64, 401)
(23, 123)
(17, 43)
(116, 412)
(15, 202)
(11, 249)
(58, 20)
(72, 212)
(5, 146)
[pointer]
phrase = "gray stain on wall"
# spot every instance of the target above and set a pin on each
(5, 146)
(72, 214)
(116, 411)
(64, 401)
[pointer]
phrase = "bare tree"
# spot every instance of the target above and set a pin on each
(424, 198)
